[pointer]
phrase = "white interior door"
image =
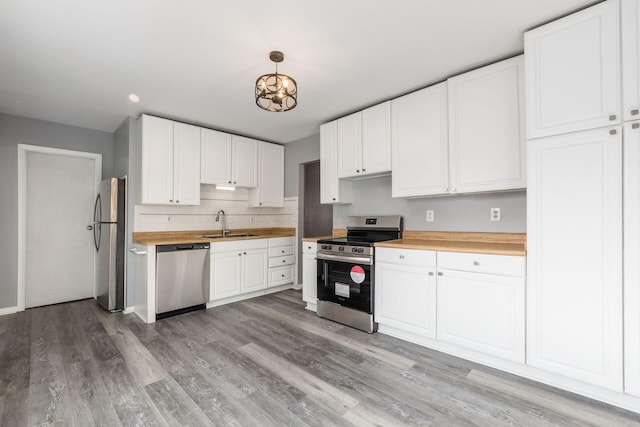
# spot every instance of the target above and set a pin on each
(59, 261)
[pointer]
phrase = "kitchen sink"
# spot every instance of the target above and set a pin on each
(220, 236)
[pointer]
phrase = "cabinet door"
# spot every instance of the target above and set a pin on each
(309, 279)
(482, 312)
(254, 270)
(350, 146)
(215, 158)
(419, 143)
(332, 190)
(376, 139)
(630, 17)
(487, 145)
(186, 164)
(631, 257)
(270, 189)
(157, 161)
(405, 298)
(574, 256)
(572, 72)
(245, 162)
(225, 274)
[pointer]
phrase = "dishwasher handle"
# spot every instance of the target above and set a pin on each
(182, 247)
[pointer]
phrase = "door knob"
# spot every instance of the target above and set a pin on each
(89, 227)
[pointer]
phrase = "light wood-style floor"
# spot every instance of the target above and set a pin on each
(263, 362)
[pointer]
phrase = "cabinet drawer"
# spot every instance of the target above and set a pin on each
(281, 241)
(505, 265)
(282, 260)
(280, 251)
(406, 256)
(309, 247)
(281, 275)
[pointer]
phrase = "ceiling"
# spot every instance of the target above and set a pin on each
(76, 61)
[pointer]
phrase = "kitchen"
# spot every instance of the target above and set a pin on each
(372, 196)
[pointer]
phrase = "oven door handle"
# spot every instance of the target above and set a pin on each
(348, 259)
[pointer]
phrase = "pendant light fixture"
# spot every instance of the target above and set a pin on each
(276, 92)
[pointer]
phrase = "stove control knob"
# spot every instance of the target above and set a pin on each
(361, 250)
(326, 247)
(341, 249)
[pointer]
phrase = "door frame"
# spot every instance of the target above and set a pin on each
(23, 149)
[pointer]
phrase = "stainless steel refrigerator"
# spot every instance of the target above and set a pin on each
(109, 240)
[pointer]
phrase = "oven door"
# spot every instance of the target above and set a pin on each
(347, 283)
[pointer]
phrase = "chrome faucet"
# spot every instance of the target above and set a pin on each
(224, 222)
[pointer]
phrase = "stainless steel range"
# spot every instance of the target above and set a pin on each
(346, 268)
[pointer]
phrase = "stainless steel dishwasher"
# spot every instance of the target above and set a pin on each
(182, 278)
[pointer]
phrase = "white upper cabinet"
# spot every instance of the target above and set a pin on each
(332, 189)
(419, 145)
(487, 142)
(630, 17)
(215, 157)
(229, 159)
(574, 254)
(186, 164)
(170, 154)
(270, 189)
(245, 160)
(364, 142)
(350, 145)
(376, 139)
(573, 72)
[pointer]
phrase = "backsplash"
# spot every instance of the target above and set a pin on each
(202, 217)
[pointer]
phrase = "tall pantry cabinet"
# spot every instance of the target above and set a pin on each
(583, 319)
(630, 17)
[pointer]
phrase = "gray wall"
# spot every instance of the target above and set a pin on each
(452, 213)
(125, 139)
(16, 130)
(297, 152)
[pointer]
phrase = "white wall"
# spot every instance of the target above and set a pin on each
(16, 130)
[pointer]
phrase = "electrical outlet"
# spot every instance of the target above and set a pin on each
(431, 215)
(495, 214)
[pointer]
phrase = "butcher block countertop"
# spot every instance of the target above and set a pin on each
(193, 236)
(484, 243)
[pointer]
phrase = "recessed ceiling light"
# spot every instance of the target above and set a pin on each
(134, 98)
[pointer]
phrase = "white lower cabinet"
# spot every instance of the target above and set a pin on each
(282, 260)
(475, 301)
(631, 257)
(238, 267)
(574, 239)
(405, 290)
(480, 311)
(309, 275)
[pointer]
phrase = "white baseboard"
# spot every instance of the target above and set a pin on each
(8, 310)
(128, 310)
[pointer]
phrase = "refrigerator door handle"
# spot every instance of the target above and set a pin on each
(97, 209)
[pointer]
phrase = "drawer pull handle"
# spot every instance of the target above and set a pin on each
(613, 132)
(635, 112)
(440, 273)
(476, 263)
(282, 251)
(635, 126)
(431, 273)
(401, 256)
(612, 117)
(284, 260)
(283, 275)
